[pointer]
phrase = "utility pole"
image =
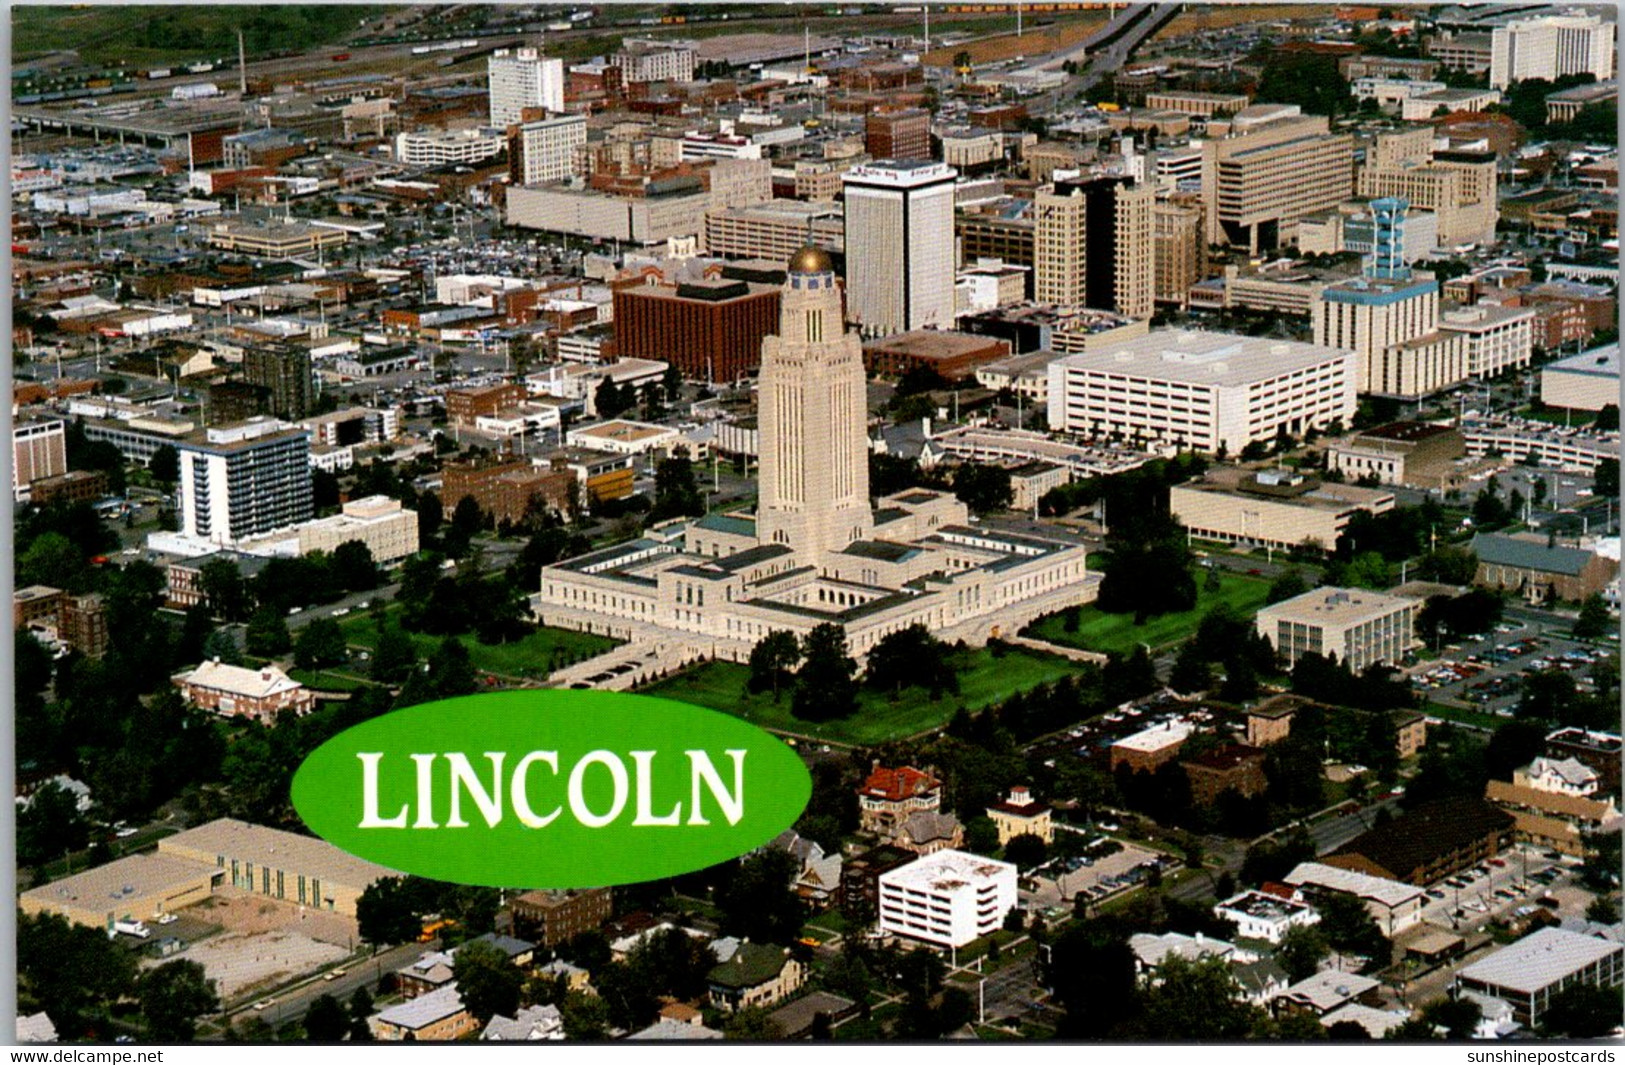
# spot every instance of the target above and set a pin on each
(242, 66)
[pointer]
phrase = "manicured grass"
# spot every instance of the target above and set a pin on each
(1107, 633)
(536, 655)
(831, 920)
(1465, 717)
(1559, 416)
(328, 681)
(983, 680)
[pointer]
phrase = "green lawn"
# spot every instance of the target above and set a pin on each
(142, 35)
(535, 656)
(983, 680)
(1465, 717)
(328, 681)
(1100, 631)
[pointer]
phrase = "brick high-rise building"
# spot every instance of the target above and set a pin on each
(39, 449)
(898, 134)
(1178, 252)
(710, 330)
(464, 405)
(286, 375)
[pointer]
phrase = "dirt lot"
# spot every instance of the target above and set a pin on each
(263, 942)
(1219, 16)
(1068, 32)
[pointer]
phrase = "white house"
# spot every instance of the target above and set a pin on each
(1266, 917)
(1566, 776)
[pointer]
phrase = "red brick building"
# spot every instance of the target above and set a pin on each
(233, 691)
(1237, 768)
(710, 330)
(953, 355)
(554, 917)
(504, 489)
(902, 134)
(75, 486)
(889, 796)
(84, 624)
(463, 405)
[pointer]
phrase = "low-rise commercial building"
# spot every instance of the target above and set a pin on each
(1530, 972)
(1235, 767)
(389, 530)
(1151, 747)
(1430, 842)
(948, 898)
(1395, 906)
(1417, 454)
(278, 864)
(1357, 627)
(1280, 509)
(1268, 917)
(955, 356)
(1587, 381)
(136, 888)
(1538, 570)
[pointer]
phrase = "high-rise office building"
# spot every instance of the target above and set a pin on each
(1092, 245)
(1458, 185)
(1390, 319)
(1267, 167)
(547, 150)
(904, 278)
(1178, 252)
(520, 79)
(242, 481)
(39, 449)
(285, 374)
(1549, 46)
(815, 465)
(898, 134)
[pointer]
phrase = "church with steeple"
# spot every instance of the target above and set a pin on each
(817, 549)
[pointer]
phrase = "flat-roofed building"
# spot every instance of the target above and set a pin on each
(1499, 338)
(1394, 905)
(1418, 454)
(1281, 509)
(137, 888)
(389, 530)
(1198, 104)
(288, 240)
(447, 147)
(711, 330)
(1267, 167)
(464, 405)
(551, 149)
(243, 481)
(1550, 45)
(904, 134)
(948, 898)
(1357, 627)
(1392, 326)
(1211, 391)
(623, 437)
(1178, 250)
(1530, 972)
(1151, 747)
(39, 450)
(1468, 52)
(555, 917)
(1587, 381)
(1263, 916)
(955, 356)
(1234, 767)
(776, 230)
(508, 489)
(1093, 245)
(1459, 186)
(278, 864)
(1599, 750)
(905, 277)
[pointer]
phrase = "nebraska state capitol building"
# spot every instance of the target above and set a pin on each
(815, 551)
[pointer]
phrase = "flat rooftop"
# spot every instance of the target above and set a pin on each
(625, 431)
(1598, 362)
(276, 849)
(1157, 737)
(1336, 606)
(1540, 960)
(946, 871)
(1190, 357)
(122, 883)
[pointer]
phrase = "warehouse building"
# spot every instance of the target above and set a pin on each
(1535, 968)
(281, 865)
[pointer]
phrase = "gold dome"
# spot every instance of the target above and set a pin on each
(811, 260)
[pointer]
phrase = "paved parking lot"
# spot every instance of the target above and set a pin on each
(1501, 890)
(1487, 674)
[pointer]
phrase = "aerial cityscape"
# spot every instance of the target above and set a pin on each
(1157, 465)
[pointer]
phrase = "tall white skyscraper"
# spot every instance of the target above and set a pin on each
(522, 79)
(1549, 46)
(547, 150)
(900, 232)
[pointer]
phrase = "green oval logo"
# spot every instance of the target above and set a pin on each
(551, 789)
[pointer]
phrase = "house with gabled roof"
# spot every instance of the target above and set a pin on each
(758, 974)
(888, 796)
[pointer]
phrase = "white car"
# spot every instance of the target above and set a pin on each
(167, 918)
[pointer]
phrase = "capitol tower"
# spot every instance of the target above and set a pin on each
(813, 420)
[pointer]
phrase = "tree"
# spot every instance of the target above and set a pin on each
(224, 589)
(395, 653)
(173, 996)
(1582, 1011)
(1302, 949)
(321, 643)
(50, 825)
(1607, 419)
(326, 1021)
(910, 657)
(267, 634)
(451, 671)
(1605, 480)
(1349, 926)
(751, 1023)
(1288, 585)
(981, 836)
(1593, 621)
(165, 465)
(353, 567)
(1195, 1001)
(758, 902)
(676, 494)
(825, 688)
(54, 561)
(1191, 673)
(585, 1016)
(982, 488)
(70, 968)
(1025, 851)
(386, 912)
(1602, 910)
(773, 659)
(487, 980)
